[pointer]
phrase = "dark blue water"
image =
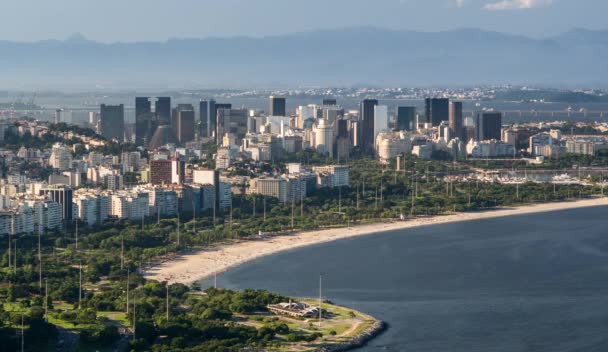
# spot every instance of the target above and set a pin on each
(528, 283)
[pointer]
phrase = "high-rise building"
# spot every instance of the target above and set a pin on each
(183, 123)
(437, 110)
(112, 121)
(456, 120)
(406, 118)
(366, 116)
(329, 102)
(342, 128)
(61, 157)
(232, 121)
(62, 195)
(216, 108)
(163, 110)
(63, 115)
(203, 114)
(145, 121)
(488, 125)
(212, 118)
(277, 106)
(324, 138)
(209, 177)
(380, 120)
(160, 172)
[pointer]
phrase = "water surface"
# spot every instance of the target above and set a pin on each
(534, 282)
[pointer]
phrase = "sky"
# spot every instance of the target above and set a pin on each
(154, 20)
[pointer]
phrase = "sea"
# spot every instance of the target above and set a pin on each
(536, 282)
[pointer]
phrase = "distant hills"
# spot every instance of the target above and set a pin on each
(351, 56)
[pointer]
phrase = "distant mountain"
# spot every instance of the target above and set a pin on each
(365, 56)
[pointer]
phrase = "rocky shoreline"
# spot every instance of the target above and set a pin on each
(359, 341)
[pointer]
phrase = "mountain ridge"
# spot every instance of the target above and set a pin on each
(347, 56)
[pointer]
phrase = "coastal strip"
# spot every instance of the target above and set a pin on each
(196, 266)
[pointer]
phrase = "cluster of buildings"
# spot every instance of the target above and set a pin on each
(296, 184)
(327, 128)
(553, 144)
(92, 187)
(170, 170)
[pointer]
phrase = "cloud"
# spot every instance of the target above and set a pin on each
(517, 4)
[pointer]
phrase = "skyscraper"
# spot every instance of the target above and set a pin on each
(145, 122)
(233, 121)
(212, 118)
(456, 120)
(183, 123)
(62, 195)
(329, 102)
(112, 121)
(406, 118)
(380, 120)
(437, 110)
(163, 110)
(277, 106)
(488, 125)
(203, 114)
(216, 117)
(366, 116)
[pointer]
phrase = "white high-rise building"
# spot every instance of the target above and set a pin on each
(324, 138)
(305, 113)
(61, 158)
(339, 174)
(87, 209)
(380, 119)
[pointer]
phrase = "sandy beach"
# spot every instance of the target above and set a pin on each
(196, 266)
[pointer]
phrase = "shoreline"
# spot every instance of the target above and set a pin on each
(202, 264)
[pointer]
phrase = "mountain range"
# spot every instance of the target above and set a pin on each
(337, 57)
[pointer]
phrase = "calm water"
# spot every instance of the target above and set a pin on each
(514, 111)
(527, 283)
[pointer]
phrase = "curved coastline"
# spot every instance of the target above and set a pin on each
(202, 264)
(359, 341)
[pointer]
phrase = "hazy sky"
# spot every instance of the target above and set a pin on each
(135, 20)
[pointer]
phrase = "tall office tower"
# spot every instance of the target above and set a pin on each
(62, 195)
(145, 122)
(93, 119)
(277, 106)
(342, 128)
(212, 118)
(366, 126)
(163, 110)
(437, 110)
(406, 118)
(214, 112)
(232, 121)
(330, 102)
(183, 123)
(112, 121)
(488, 125)
(456, 120)
(380, 120)
(203, 112)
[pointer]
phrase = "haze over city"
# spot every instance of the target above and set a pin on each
(158, 20)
